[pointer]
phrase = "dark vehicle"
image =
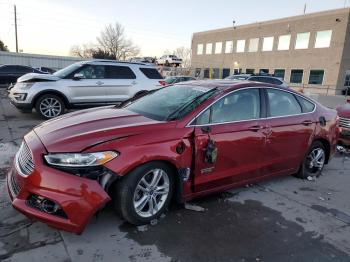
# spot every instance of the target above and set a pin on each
(259, 78)
(10, 73)
(346, 91)
(46, 70)
(177, 79)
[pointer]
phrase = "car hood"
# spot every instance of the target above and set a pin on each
(35, 77)
(344, 111)
(83, 129)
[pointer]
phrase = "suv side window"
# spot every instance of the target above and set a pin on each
(282, 103)
(92, 71)
(24, 69)
(238, 106)
(151, 73)
(119, 72)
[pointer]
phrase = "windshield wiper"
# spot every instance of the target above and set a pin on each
(195, 102)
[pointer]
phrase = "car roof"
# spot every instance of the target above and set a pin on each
(102, 61)
(229, 85)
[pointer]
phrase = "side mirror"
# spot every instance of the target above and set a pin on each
(206, 129)
(78, 76)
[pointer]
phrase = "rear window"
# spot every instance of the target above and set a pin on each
(119, 72)
(151, 73)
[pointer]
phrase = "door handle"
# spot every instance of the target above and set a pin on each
(99, 83)
(306, 122)
(255, 128)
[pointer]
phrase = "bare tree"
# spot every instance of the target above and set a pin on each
(3, 47)
(113, 40)
(83, 51)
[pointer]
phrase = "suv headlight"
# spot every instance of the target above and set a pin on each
(80, 159)
(24, 85)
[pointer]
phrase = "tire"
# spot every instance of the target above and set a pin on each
(42, 106)
(308, 168)
(127, 193)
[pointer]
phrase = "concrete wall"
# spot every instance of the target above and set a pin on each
(329, 59)
(33, 60)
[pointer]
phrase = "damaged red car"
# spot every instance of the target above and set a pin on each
(177, 143)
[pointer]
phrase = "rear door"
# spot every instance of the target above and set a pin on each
(234, 126)
(90, 89)
(290, 125)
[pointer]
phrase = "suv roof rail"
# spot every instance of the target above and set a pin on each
(115, 61)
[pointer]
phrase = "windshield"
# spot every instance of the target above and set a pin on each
(67, 70)
(170, 103)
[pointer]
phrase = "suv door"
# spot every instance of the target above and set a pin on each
(290, 127)
(120, 82)
(237, 133)
(90, 88)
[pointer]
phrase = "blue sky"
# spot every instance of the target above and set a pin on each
(52, 27)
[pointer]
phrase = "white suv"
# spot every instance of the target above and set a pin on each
(169, 60)
(83, 84)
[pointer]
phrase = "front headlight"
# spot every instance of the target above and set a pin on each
(24, 85)
(80, 159)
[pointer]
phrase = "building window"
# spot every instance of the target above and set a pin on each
(268, 43)
(198, 72)
(264, 71)
(240, 46)
(316, 77)
(218, 47)
(296, 76)
(280, 73)
(250, 71)
(225, 72)
(284, 42)
(302, 41)
(206, 73)
(253, 45)
(200, 49)
(208, 48)
(216, 73)
(228, 47)
(323, 39)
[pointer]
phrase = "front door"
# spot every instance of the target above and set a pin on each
(230, 129)
(90, 88)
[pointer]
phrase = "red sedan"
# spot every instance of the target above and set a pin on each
(179, 142)
(344, 123)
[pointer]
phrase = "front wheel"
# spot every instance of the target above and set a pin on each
(49, 106)
(314, 161)
(145, 193)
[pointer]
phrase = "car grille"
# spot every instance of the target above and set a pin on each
(15, 187)
(344, 122)
(24, 160)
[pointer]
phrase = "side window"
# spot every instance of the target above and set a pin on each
(240, 105)
(151, 73)
(120, 72)
(92, 71)
(307, 105)
(24, 69)
(5, 69)
(282, 103)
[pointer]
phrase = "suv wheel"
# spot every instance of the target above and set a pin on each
(49, 106)
(314, 161)
(145, 193)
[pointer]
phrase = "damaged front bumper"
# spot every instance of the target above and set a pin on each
(52, 196)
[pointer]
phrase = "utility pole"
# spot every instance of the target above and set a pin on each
(304, 8)
(16, 28)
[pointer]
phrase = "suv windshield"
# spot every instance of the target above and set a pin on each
(67, 70)
(170, 103)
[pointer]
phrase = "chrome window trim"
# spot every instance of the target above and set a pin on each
(189, 124)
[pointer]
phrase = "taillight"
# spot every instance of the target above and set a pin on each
(348, 100)
(162, 82)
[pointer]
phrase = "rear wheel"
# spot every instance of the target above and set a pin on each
(145, 193)
(49, 106)
(314, 161)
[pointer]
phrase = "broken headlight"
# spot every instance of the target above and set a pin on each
(80, 159)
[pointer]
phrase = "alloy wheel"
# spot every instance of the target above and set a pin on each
(151, 193)
(315, 160)
(50, 107)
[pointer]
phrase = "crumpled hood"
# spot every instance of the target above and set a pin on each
(33, 77)
(76, 131)
(344, 111)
